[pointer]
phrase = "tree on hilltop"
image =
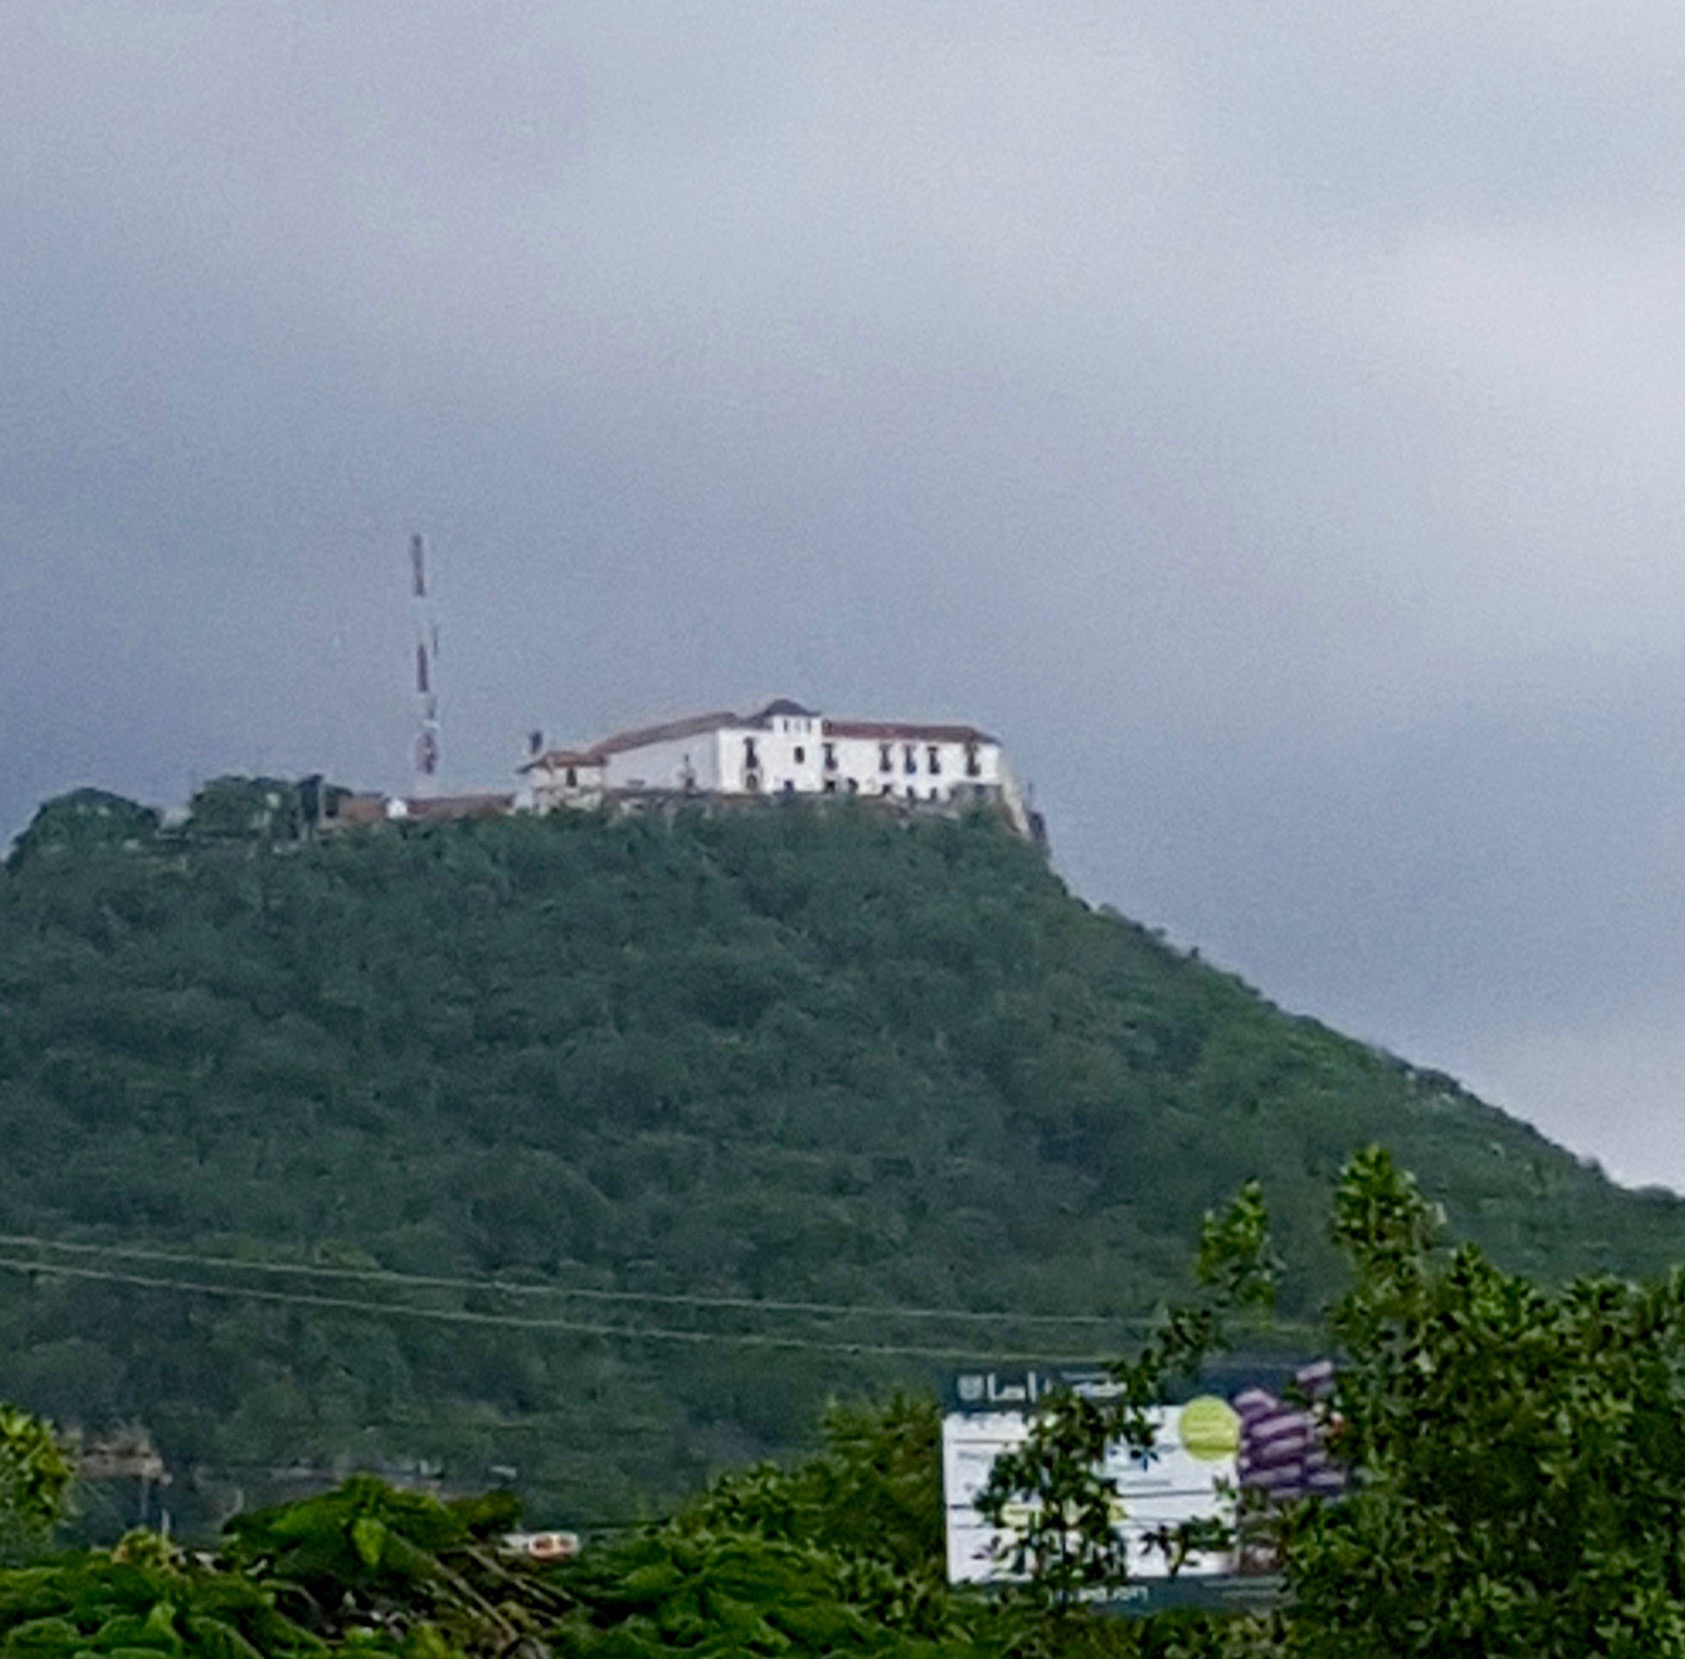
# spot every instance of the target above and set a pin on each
(83, 821)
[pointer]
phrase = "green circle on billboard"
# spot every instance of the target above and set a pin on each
(1209, 1429)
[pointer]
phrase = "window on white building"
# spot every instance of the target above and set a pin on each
(886, 757)
(801, 754)
(910, 758)
(933, 756)
(973, 761)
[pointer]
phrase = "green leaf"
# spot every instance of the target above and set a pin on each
(369, 1535)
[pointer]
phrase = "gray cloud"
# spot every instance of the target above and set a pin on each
(1267, 417)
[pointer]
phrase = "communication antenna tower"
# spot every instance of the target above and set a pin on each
(426, 667)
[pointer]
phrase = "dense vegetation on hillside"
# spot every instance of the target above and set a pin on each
(799, 1055)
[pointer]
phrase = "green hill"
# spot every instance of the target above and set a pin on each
(795, 1056)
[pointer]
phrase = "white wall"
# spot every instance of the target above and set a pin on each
(663, 765)
(787, 752)
(549, 787)
(790, 755)
(861, 758)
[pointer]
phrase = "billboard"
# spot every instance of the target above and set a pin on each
(1244, 1431)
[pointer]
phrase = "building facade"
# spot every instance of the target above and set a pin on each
(783, 750)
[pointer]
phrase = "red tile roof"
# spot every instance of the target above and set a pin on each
(358, 809)
(641, 736)
(697, 724)
(888, 731)
(554, 759)
(459, 806)
(637, 738)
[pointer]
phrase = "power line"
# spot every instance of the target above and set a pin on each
(300, 1473)
(466, 1316)
(507, 1287)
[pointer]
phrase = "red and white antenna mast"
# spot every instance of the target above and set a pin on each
(426, 667)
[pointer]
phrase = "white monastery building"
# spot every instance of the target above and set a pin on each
(784, 750)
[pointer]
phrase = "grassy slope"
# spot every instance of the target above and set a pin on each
(793, 1055)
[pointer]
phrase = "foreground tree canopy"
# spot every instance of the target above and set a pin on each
(1518, 1492)
(1517, 1454)
(803, 1056)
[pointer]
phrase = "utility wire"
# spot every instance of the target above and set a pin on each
(466, 1316)
(507, 1287)
(232, 1472)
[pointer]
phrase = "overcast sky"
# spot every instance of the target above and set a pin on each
(1268, 417)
